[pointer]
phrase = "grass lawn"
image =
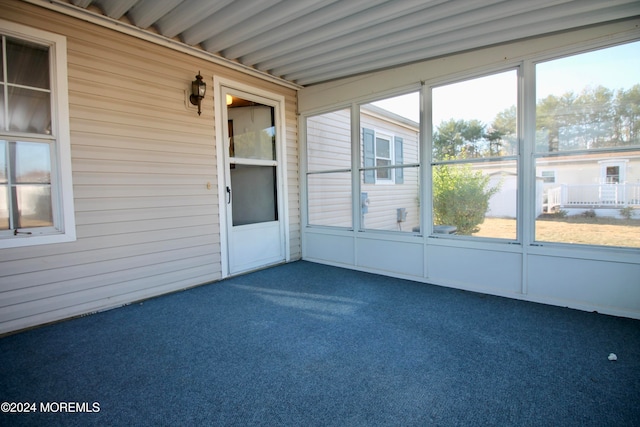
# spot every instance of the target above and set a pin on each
(574, 229)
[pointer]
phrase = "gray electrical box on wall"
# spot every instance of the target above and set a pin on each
(402, 214)
(364, 202)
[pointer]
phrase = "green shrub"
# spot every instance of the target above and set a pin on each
(627, 213)
(460, 197)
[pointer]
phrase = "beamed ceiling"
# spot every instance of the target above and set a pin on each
(306, 42)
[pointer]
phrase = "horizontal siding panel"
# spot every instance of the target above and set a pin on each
(15, 297)
(35, 317)
(88, 244)
(169, 161)
(109, 203)
(126, 292)
(100, 253)
(150, 225)
(124, 166)
(183, 213)
(150, 179)
(134, 190)
(125, 136)
(88, 133)
(99, 267)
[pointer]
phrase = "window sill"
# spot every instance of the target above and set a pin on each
(31, 240)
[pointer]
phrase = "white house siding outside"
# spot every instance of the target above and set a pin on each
(329, 149)
(144, 178)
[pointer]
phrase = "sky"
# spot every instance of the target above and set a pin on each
(482, 98)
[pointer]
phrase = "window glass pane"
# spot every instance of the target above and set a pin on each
(392, 207)
(254, 194)
(594, 200)
(252, 130)
(390, 135)
(383, 174)
(329, 165)
(27, 64)
(3, 124)
(476, 118)
(33, 163)
(34, 206)
(589, 101)
(29, 111)
(382, 148)
(329, 141)
(3, 162)
(586, 102)
(1, 60)
(390, 159)
(477, 199)
(4, 207)
(329, 197)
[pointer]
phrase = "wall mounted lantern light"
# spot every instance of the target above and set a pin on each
(198, 88)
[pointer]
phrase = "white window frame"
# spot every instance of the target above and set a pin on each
(63, 229)
(622, 170)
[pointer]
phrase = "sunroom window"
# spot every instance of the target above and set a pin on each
(329, 169)
(475, 157)
(35, 186)
(588, 131)
(390, 164)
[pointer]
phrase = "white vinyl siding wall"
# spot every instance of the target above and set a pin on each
(142, 161)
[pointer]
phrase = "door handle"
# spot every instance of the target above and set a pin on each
(228, 195)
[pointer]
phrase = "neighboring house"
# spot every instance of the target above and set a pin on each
(584, 182)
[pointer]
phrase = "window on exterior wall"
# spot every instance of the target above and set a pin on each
(390, 164)
(329, 169)
(588, 130)
(383, 158)
(475, 157)
(548, 177)
(35, 186)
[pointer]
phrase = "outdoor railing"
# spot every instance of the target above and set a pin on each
(593, 195)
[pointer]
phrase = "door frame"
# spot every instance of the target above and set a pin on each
(219, 83)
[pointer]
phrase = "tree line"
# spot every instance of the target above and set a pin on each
(597, 117)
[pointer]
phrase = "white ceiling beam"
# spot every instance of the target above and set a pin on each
(115, 8)
(375, 19)
(226, 18)
(187, 14)
(146, 12)
(275, 17)
(472, 41)
(81, 3)
(415, 28)
(299, 26)
(418, 21)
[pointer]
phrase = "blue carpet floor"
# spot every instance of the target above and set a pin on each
(310, 345)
